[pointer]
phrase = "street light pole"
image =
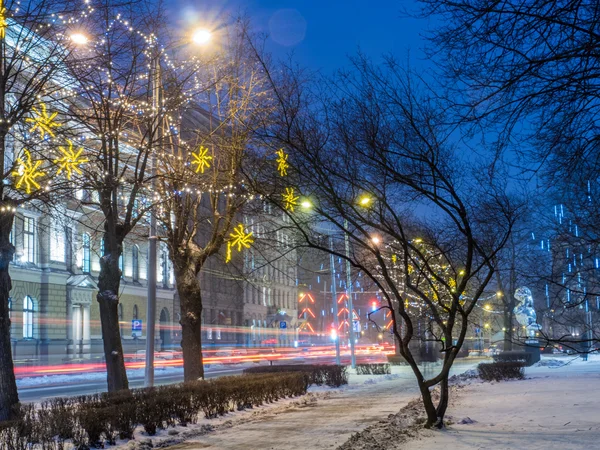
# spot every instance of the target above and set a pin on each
(349, 294)
(151, 302)
(335, 304)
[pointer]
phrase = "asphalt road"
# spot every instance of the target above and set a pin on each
(46, 391)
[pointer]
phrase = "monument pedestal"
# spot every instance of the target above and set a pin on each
(532, 347)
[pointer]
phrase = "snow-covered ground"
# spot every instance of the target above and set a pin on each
(555, 407)
(323, 419)
(93, 376)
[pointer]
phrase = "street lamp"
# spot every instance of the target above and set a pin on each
(79, 38)
(200, 37)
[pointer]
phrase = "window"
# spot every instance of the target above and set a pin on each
(164, 267)
(57, 242)
(135, 312)
(28, 317)
(85, 265)
(135, 263)
(29, 239)
(121, 264)
(120, 312)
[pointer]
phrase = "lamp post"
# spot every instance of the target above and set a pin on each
(199, 37)
(349, 294)
(151, 277)
(336, 323)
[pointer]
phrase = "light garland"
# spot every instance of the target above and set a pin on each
(282, 164)
(240, 239)
(201, 159)
(42, 121)
(70, 161)
(3, 22)
(28, 172)
(289, 199)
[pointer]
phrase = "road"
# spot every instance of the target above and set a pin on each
(45, 390)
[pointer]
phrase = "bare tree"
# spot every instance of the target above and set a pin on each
(202, 186)
(531, 68)
(33, 86)
(119, 112)
(377, 164)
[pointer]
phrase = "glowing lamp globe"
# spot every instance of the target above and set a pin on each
(201, 36)
(79, 39)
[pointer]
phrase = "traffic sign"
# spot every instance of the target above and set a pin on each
(136, 327)
(282, 324)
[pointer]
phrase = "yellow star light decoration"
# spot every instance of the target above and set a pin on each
(201, 159)
(70, 161)
(42, 121)
(3, 23)
(240, 239)
(289, 199)
(282, 164)
(27, 172)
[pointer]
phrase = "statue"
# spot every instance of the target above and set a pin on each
(525, 312)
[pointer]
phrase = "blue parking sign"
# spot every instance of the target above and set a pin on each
(282, 324)
(136, 327)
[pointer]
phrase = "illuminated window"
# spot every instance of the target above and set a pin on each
(29, 239)
(135, 263)
(28, 311)
(85, 265)
(57, 242)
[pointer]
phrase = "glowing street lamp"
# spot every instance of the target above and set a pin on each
(201, 36)
(79, 39)
(306, 204)
(365, 201)
(376, 240)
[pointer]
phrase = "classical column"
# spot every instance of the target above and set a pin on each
(86, 344)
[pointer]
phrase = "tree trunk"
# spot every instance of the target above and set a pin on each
(109, 281)
(430, 409)
(443, 403)
(190, 297)
(9, 398)
(508, 328)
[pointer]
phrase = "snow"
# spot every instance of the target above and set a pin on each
(323, 419)
(556, 406)
(88, 377)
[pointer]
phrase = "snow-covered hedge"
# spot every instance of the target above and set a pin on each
(319, 374)
(498, 371)
(91, 421)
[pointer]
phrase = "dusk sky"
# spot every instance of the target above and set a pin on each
(320, 33)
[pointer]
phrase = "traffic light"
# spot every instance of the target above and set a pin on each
(374, 305)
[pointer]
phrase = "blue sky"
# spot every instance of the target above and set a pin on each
(320, 33)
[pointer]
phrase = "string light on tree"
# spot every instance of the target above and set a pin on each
(239, 239)
(282, 164)
(27, 172)
(42, 121)
(289, 199)
(3, 22)
(70, 161)
(201, 159)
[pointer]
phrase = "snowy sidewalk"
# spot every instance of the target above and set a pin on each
(324, 419)
(554, 408)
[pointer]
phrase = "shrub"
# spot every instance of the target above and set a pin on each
(499, 371)
(91, 421)
(514, 356)
(319, 374)
(396, 360)
(373, 369)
